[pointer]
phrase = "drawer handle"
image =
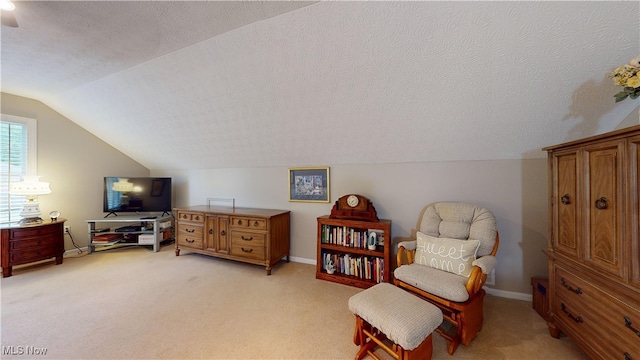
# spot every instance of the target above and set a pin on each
(223, 233)
(210, 231)
(627, 323)
(190, 230)
(239, 222)
(601, 203)
(255, 223)
(564, 283)
(190, 240)
(565, 199)
(577, 319)
(245, 250)
(627, 356)
(247, 239)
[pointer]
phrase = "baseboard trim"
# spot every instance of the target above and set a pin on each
(303, 260)
(509, 294)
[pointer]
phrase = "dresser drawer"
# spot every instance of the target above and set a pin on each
(248, 251)
(48, 241)
(190, 229)
(247, 238)
(188, 240)
(190, 236)
(191, 217)
(598, 331)
(249, 223)
(604, 321)
(33, 232)
(248, 245)
(35, 254)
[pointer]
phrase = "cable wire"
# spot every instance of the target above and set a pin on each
(73, 241)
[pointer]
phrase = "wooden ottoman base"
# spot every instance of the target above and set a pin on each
(396, 321)
(368, 338)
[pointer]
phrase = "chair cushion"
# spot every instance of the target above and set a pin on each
(460, 221)
(404, 318)
(440, 283)
(452, 255)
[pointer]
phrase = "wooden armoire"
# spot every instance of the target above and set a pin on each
(594, 248)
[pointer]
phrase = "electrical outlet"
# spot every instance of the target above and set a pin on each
(66, 229)
(491, 278)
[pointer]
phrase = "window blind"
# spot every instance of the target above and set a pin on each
(17, 158)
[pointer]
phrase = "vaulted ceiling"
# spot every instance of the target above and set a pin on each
(208, 84)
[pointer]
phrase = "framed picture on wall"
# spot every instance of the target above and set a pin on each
(309, 184)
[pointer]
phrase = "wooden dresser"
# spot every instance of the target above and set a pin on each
(30, 243)
(594, 248)
(256, 236)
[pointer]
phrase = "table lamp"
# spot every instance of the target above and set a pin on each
(31, 187)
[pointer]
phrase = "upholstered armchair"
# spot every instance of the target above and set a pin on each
(448, 264)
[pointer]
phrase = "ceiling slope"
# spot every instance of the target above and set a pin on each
(181, 85)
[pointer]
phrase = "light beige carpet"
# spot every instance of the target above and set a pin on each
(136, 304)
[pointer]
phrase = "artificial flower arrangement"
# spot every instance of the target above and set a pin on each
(628, 75)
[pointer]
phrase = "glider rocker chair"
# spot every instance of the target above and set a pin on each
(448, 264)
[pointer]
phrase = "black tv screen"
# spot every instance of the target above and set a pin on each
(137, 194)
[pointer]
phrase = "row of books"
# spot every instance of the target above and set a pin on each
(350, 237)
(106, 238)
(363, 267)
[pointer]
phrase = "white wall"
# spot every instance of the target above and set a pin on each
(514, 190)
(74, 162)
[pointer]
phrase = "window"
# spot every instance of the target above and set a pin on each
(18, 156)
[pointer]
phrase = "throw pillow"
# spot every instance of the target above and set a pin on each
(452, 255)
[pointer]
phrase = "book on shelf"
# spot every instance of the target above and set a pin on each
(363, 267)
(106, 238)
(349, 237)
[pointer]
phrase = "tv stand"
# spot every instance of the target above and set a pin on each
(111, 212)
(145, 232)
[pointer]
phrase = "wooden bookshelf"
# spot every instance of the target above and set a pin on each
(345, 241)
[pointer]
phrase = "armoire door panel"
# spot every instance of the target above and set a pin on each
(604, 176)
(566, 228)
(634, 207)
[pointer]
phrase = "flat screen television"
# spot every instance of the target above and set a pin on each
(136, 194)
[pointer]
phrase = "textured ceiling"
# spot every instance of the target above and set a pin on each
(244, 84)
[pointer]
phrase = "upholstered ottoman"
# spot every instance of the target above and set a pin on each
(388, 312)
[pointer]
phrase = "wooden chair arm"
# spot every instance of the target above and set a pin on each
(410, 254)
(476, 280)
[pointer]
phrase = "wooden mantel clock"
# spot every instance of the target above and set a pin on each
(354, 207)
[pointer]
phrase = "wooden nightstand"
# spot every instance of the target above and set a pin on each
(31, 243)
